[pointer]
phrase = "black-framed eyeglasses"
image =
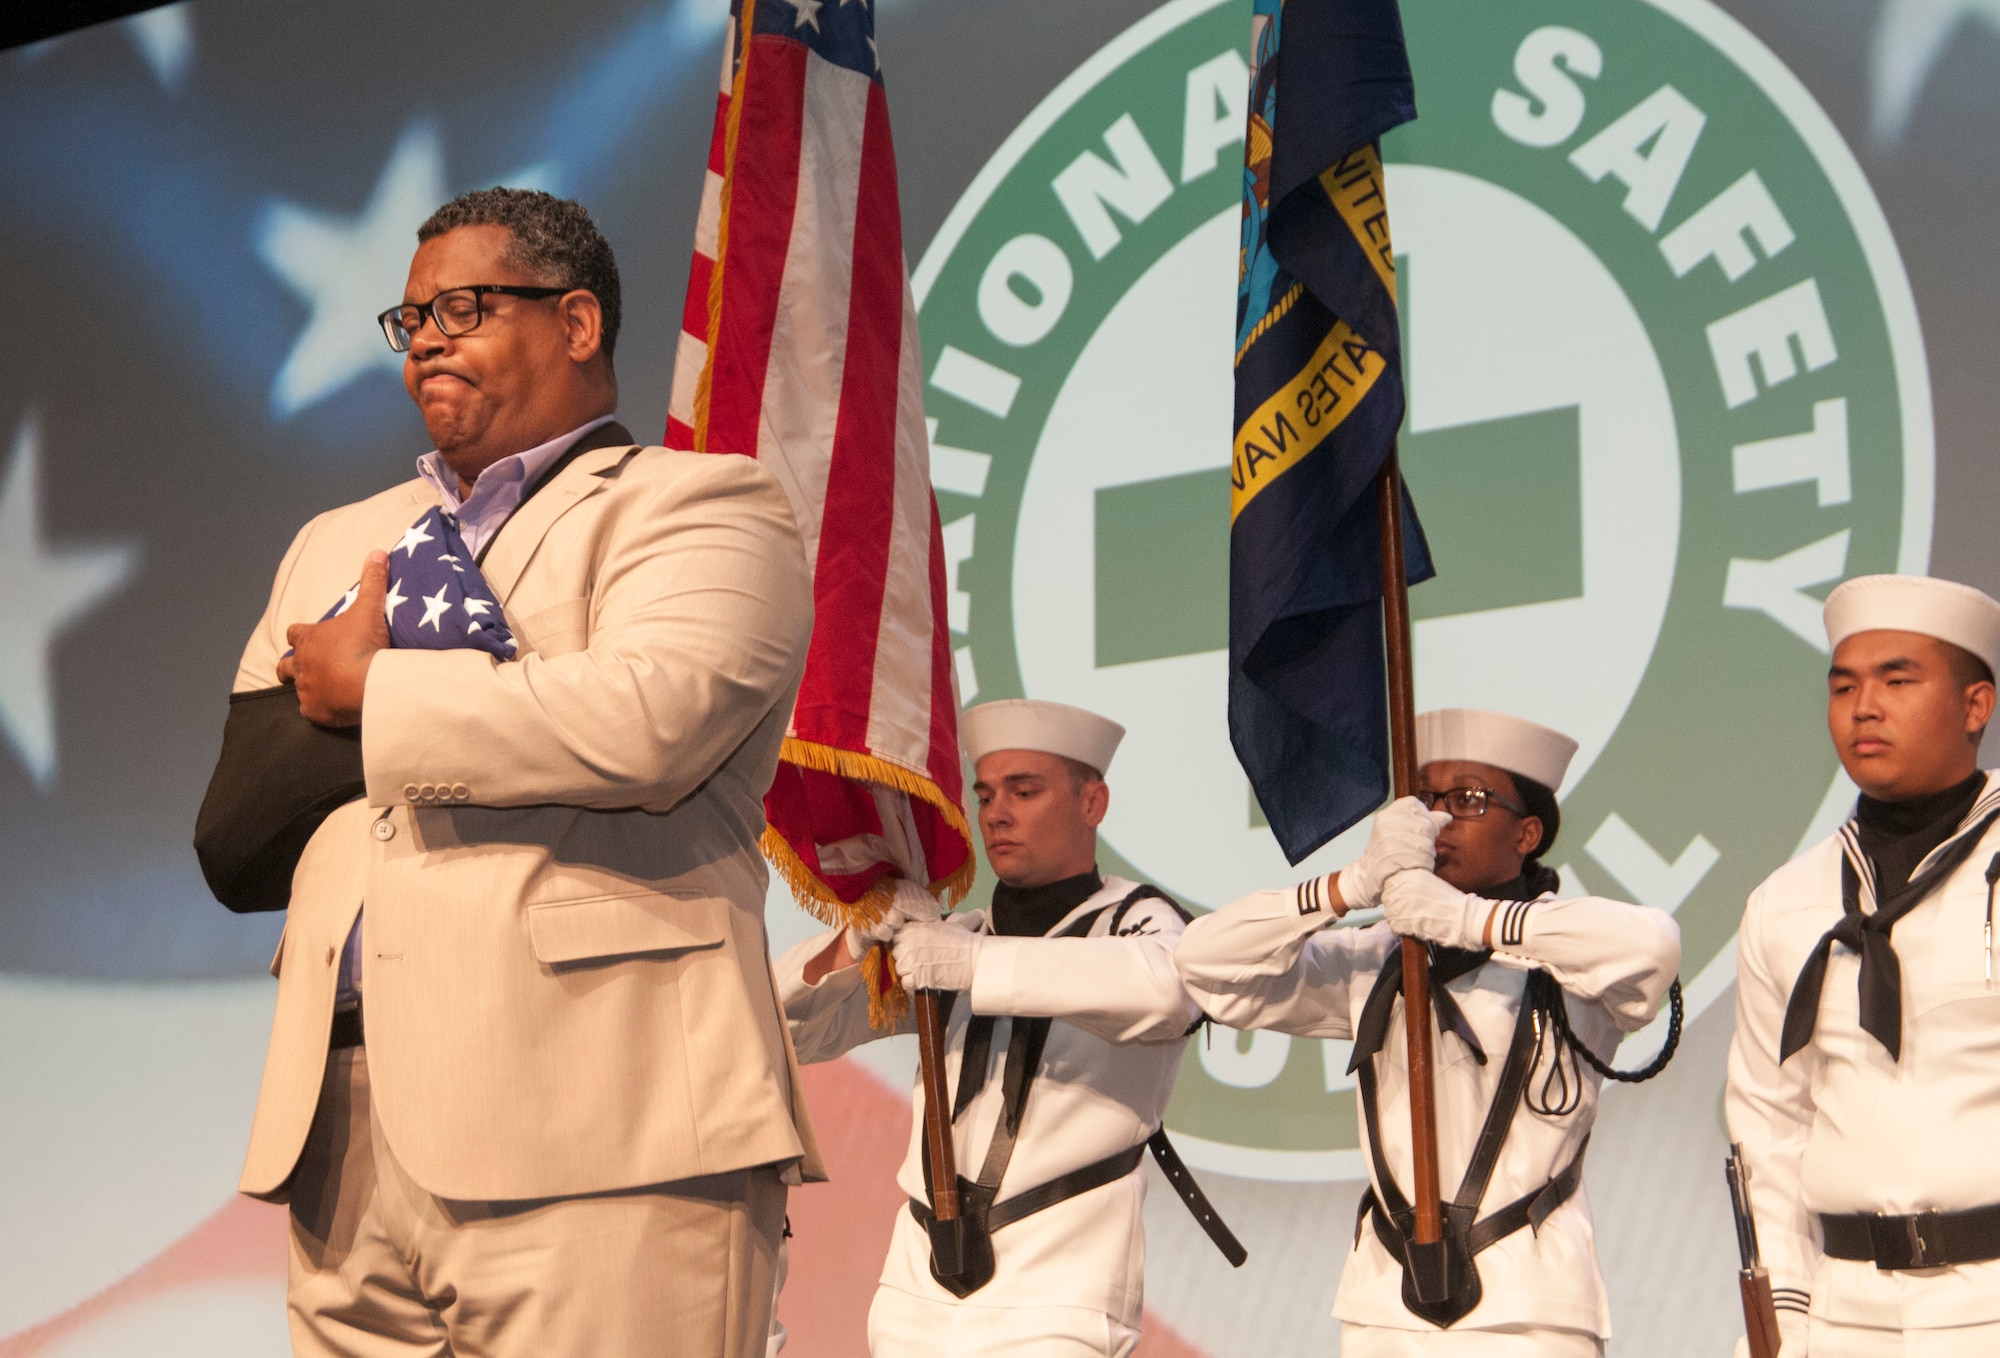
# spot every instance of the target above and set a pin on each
(457, 311)
(1468, 803)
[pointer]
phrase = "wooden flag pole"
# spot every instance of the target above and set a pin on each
(1427, 1257)
(947, 1230)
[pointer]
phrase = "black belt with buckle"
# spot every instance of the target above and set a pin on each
(1921, 1240)
(346, 1029)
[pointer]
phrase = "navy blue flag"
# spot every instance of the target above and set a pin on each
(437, 598)
(1319, 397)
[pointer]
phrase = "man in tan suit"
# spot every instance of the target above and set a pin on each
(558, 1109)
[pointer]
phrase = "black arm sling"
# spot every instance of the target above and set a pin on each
(279, 776)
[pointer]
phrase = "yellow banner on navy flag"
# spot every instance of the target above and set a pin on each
(1296, 418)
(1355, 185)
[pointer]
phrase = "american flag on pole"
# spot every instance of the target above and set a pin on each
(799, 348)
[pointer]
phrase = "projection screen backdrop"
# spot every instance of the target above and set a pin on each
(1699, 302)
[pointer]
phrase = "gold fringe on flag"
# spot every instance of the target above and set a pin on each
(887, 1000)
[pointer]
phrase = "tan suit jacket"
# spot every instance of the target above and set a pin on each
(565, 977)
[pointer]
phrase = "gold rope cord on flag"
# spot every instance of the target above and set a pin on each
(887, 1000)
(746, 26)
(1272, 317)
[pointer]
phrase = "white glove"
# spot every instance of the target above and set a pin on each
(936, 956)
(1404, 836)
(1419, 904)
(911, 902)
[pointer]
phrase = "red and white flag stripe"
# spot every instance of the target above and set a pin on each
(799, 347)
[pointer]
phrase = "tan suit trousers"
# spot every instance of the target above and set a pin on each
(382, 1269)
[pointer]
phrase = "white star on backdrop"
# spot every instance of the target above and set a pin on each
(165, 38)
(42, 593)
(347, 269)
(1910, 39)
(808, 13)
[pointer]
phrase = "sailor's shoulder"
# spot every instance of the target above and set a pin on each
(1804, 888)
(1131, 909)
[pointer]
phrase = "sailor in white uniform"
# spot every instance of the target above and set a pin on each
(1864, 1083)
(1521, 1041)
(1062, 1045)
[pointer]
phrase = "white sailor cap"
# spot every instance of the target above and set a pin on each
(1518, 746)
(1944, 609)
(1031, 724)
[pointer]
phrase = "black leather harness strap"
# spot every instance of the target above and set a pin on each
(1466, 1233)
(1196, 1201)
(1025, 1044)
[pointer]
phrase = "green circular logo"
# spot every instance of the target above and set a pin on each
(1666, 387)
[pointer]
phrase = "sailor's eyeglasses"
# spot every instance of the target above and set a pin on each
(1467, 803)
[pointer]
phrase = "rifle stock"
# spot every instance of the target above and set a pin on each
(1760, 1316)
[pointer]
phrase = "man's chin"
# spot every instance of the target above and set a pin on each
(1876, 773)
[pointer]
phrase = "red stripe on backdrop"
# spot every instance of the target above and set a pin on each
(679, 435)
(245, 1239)
(763, 195)
(840, 1229)
(694, 313)
(857, 521)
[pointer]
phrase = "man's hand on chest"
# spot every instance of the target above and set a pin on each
(329, 661)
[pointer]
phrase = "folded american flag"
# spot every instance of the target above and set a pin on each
(437, 599)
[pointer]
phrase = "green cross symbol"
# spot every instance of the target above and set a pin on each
(1501, 503)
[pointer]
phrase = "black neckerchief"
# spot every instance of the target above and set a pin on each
(1447, 964)
(1031, 911)
(1897, 836)
(1867, 932)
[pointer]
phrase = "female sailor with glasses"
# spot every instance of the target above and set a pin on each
(1532, 995)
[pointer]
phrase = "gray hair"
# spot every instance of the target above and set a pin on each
(554, 240)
